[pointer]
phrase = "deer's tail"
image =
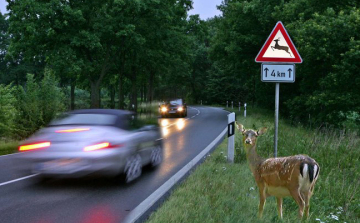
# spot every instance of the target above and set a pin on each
(309, 168)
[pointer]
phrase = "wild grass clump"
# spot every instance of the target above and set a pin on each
(221, 192)
(8, 147)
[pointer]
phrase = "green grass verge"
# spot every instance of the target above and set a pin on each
(221, 192)
(8, 147)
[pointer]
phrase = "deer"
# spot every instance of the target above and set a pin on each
(278, 47)
(293, 176)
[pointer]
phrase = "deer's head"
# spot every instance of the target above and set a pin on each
(249, 135)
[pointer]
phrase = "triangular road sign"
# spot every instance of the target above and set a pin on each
(278, 48)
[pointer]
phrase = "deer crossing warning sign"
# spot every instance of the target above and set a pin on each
(278, 48)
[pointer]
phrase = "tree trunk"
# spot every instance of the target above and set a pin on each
(142, 93)
(150, 87)
(112, 97)
(121, 90)
(133, 103)
(95, 96)
(72, 95)
(95, 87)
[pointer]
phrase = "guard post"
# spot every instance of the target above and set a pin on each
(231, 139)
(244, 110)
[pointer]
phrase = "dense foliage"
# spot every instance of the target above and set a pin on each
(326, 34)
(115, 53)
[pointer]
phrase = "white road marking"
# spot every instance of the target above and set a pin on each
(16, 180)
(8, 155)
(135, 214)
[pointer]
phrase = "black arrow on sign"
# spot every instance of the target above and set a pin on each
(289, 72)
(266, 70)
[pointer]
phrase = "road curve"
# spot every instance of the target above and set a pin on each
(100, 199)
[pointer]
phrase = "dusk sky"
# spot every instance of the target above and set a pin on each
(3, 4)
(205, 8)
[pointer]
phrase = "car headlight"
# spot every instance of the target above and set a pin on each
(180, 109)
(163, 109)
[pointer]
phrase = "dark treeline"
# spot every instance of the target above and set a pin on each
(327, 36)
(57, 55)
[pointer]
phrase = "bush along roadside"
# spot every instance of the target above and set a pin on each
(25, 109)
(221, 192)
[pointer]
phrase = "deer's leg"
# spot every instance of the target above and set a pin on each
(307, 196)
(279, 206)
(295, 193)
(262, 199)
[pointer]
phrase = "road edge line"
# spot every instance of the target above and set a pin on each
(144, 206)
(18, 179)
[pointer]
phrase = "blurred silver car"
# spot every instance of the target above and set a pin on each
(92, 141)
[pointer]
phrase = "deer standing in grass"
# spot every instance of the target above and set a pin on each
(293, 176)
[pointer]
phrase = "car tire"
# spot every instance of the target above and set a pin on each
(133, 168)
(156, 156)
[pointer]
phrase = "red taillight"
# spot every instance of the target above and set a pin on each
(97, 146)
(72, 130)
(34, 146)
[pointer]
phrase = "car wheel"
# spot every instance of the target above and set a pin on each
(156, 156)
(133, 168)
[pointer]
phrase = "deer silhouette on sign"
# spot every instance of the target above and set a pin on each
(278, 47)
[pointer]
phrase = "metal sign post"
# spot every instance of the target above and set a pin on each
(277, 91)
(231, 138)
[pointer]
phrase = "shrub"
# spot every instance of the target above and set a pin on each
(37, 103)
(7, 110)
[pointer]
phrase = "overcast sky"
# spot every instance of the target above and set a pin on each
(205, 8)
(3, 6)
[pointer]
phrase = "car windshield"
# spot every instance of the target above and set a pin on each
(85, 119)
(176, 102)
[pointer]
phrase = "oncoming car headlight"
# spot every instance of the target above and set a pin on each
(180, 109)
(163, 109)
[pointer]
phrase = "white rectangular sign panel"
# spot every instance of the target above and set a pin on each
(284, 73)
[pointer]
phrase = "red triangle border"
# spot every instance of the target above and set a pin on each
(260, 57)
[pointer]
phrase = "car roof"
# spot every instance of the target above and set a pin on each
(122, 116)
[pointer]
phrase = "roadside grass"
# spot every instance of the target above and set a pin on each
(8, 147)
(217, 191)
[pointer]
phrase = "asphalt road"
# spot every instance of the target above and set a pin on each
(101, 199)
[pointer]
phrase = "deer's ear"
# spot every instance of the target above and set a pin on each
(240, 127)
(262, 131)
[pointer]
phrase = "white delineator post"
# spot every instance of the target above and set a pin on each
(245, 110)
(239, 106)
(231, 137)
